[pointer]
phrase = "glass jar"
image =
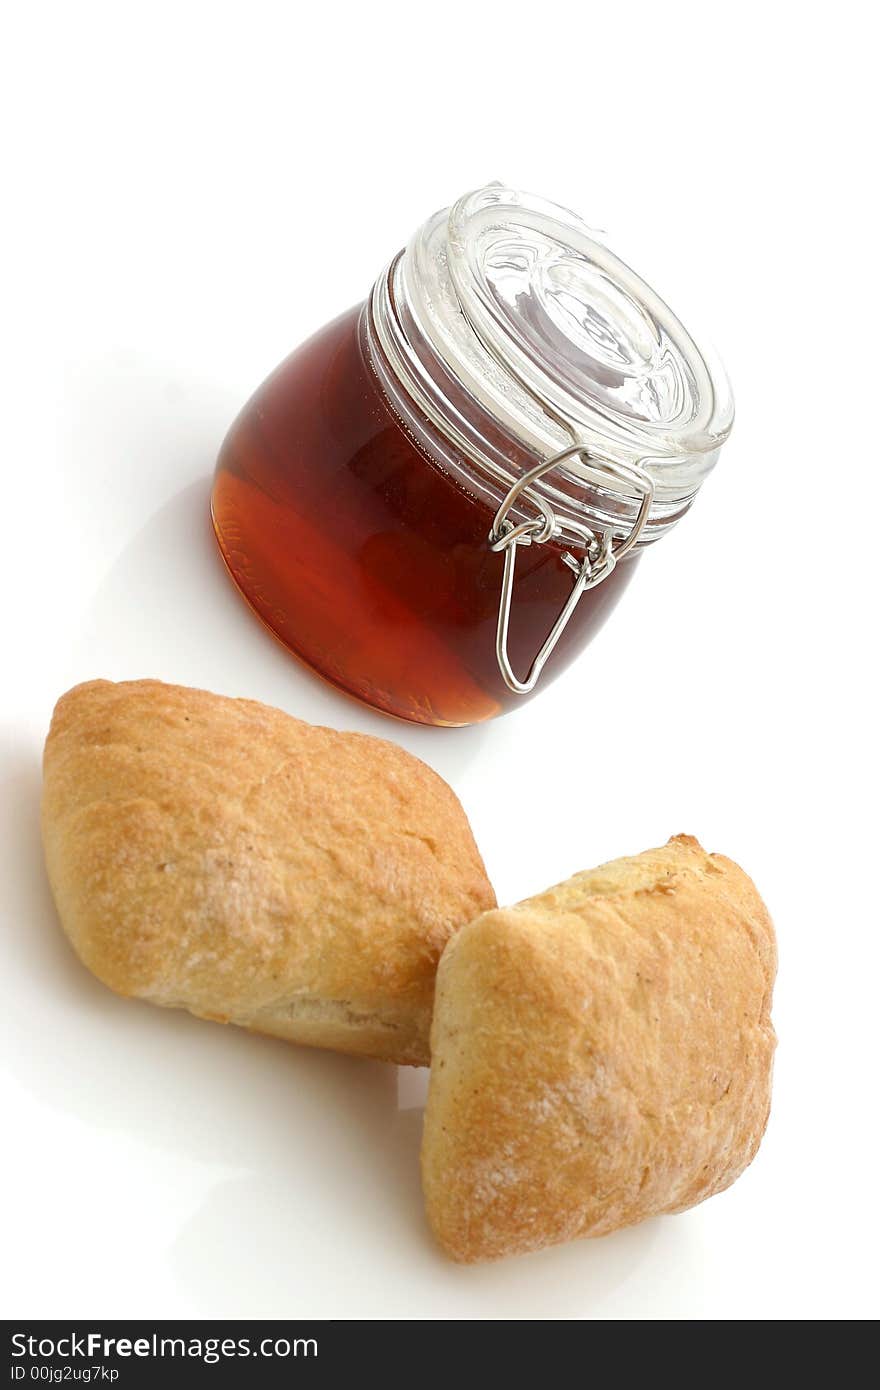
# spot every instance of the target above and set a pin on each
(438, 499)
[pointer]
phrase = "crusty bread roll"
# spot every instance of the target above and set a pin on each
(601, 1053)
(220, 856)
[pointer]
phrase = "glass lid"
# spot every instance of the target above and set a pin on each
(511, 310)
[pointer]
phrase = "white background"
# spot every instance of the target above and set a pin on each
(191, 189)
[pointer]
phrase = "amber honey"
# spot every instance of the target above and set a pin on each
(367, 559)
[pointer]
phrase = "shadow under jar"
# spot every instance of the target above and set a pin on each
(439, 498)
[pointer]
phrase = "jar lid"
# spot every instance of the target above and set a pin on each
(520, 333)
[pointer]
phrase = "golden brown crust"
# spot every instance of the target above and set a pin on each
(601, 1053)
(219, 855)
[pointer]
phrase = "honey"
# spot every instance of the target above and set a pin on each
(438, 499)
(367, 559)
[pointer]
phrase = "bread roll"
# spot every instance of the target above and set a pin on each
(219, 856)
(601, 1053)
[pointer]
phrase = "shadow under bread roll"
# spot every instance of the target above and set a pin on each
(220, 856)
(601, 1053)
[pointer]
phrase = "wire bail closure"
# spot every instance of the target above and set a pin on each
(599, 558)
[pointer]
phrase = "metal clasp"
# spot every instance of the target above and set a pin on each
(599, 558)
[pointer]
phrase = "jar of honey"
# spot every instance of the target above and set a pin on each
(437, 500)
